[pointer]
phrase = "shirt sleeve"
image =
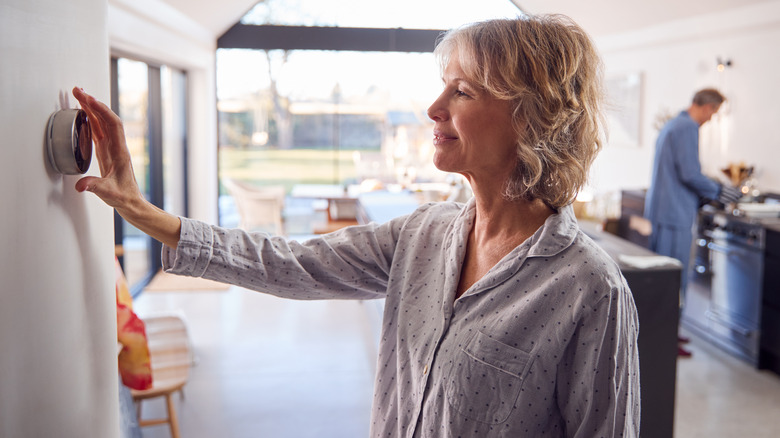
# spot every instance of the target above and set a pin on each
(598, 378)
(686, 150)
(352, 263)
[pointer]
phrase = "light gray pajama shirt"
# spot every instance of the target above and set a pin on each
(544, 345)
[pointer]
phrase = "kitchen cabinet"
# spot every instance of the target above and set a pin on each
(769, 355)
(632, 225)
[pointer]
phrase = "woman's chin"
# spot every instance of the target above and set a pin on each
(442, 163)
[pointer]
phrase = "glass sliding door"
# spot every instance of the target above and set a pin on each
(174, 139)
(132, 107)
(150, 99)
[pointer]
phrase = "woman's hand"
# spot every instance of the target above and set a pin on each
(116, 185)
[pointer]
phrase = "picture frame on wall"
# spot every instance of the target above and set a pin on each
(624, 109)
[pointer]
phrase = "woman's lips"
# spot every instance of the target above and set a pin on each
(439, 138)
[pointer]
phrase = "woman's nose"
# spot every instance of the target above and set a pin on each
(437, 112)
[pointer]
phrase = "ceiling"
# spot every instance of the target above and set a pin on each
(598, 17)
(605, 17)
(216, 16)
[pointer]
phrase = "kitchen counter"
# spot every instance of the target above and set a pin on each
(655, 290)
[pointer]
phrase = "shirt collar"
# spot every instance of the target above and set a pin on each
(556, 234)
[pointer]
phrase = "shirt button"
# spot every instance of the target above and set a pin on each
(425, 370)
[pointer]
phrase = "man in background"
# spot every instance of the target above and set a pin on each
(678, 186)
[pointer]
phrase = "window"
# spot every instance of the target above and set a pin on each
(334, 117)
(306, 116)
(150, 99)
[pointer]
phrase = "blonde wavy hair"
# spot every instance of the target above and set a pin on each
(548, 67)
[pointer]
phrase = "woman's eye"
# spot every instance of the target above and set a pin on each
(461, 93)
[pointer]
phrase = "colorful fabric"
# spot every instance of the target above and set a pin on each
(134, 363)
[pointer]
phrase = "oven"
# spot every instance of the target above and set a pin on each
(723, 299)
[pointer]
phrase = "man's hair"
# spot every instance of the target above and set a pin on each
(548, 68)
(708, 96)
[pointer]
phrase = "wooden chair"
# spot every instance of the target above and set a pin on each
(171, 358)
(258, 206)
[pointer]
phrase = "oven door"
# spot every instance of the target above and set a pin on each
(735, 310)
(698, 293)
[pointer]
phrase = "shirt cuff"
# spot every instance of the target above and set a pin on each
(194, 250)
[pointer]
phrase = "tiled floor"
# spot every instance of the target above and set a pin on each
(721, 396)
(268, 367)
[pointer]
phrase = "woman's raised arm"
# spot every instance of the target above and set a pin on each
(116, 185)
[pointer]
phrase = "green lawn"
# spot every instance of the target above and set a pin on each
(286, 167)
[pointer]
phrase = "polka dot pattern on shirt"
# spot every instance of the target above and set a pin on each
(544, 345)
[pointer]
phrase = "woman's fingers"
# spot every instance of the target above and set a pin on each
(117, 182)
(98, 187)
(94, 112)
(86, 183)
(107, 131)
(107, 189)
(101, 110)
(96, 125)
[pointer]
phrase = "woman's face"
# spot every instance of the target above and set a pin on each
(473, 133)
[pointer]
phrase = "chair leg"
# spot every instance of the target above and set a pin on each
(173, 420)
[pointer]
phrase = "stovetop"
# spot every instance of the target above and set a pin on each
(737, 216)
(738, 227)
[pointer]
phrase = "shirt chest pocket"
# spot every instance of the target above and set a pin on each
(486, 379)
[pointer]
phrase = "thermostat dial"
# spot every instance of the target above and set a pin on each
(69, 141)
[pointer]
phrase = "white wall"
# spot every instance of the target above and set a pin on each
(58, 366)
(150, 30)
(678, 58)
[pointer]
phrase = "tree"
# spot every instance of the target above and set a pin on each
(281, 104)
(279, 12)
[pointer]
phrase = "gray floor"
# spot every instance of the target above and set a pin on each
(268, 367)
(721, 396)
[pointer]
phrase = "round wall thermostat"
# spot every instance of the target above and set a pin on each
(69, 141)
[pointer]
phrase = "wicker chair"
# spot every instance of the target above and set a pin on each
(171, 358)
(259, 207)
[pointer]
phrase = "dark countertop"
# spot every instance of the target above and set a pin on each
(617, 247)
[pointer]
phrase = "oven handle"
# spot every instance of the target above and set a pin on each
(717, 318)
(733, 249)
(715, 247)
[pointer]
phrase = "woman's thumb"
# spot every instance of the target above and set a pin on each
(87, 183)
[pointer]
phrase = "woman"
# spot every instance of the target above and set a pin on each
(501, 317)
